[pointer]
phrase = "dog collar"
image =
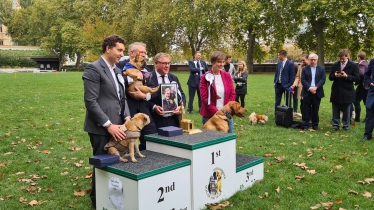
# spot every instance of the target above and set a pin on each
(136, 125)
(227, 114)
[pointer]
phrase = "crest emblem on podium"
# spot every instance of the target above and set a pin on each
(214, 187)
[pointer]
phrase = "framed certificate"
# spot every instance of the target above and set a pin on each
(169, 97)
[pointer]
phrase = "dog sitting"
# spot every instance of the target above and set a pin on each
(125, 147)
(137, 76)
(218, 122)
(219, 182)
(257, 118)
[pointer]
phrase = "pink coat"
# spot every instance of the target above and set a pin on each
(209, 110)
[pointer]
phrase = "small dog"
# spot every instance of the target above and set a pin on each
(218, 122)
(256, 118)
(137, 76)
(132, 129)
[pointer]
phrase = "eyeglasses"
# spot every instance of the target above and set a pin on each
(164, 63)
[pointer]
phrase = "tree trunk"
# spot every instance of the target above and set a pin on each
(318, 27)
(78, 61)
(250, 50)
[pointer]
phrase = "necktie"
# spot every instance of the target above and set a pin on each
(199, 66)
(280, 72)
(343, 65)
(163, 79)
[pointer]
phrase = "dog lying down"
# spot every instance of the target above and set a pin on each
(218, 122)
(125, 147)
(257, 118)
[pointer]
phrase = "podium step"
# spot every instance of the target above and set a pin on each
(249, 169)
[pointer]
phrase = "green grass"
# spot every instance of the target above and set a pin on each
(41, 135)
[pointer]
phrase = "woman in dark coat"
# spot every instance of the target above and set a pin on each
(240, 79)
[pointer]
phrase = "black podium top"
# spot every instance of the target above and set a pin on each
(154, 163)
(246, 161)
(192, 141)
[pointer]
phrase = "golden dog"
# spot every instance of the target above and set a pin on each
(137, 76)
(219, 182)
(132, 129)
(218, 122)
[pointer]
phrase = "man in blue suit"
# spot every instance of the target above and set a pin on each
(197, 69)
(313, 78)
(369, 80)
(161, 75)
(284, 77)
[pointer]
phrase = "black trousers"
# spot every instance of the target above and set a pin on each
(311, 105)
(369, 123)
(191, 97)
(97, 142)
(361, 94)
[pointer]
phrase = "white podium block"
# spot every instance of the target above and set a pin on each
(157, 181)
(249, 169)
(213, 168)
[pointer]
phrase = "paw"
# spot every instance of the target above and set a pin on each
(134, 160)
(123, 160)
(142, 156)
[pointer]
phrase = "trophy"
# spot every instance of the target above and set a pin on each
(186, 124)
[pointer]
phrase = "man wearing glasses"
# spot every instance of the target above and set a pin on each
(160, 76)
(139, 102)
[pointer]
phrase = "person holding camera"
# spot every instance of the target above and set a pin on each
(344, 73)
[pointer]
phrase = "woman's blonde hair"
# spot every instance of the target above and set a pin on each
(244, 66)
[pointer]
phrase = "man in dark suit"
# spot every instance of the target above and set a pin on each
(104, 98)
(197, 69)
(160, 76)
(369, 81)
(343, 74)
(313, 78)
(138, 101)
(361, 90)
(168, 103)
(284, 78)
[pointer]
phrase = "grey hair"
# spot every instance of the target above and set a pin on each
(161, 55)
(134, 45)
(313, 55)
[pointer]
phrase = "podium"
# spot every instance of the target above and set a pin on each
(212, 155)
(158, 181)
(249, 169)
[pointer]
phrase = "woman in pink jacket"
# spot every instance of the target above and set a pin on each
(216, 89)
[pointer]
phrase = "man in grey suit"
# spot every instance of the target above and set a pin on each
(197, 69)
(362, 89)
(104, 98)
(313, 78)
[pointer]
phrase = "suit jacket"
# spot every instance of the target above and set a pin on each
(101, 99)
(167, 106)
(369, 78)
(209, 110)
(194, 79)
(361, 71)
(297, 82)
(288, 74)
(319, 80)
(156, 98)
(342, 89)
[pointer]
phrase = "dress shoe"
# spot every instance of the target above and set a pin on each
(335, 129)
(366, 138)
(316, 129)
(346, 128)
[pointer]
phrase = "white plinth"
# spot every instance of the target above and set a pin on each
(249, 169)
(213, 168)
(158, 181)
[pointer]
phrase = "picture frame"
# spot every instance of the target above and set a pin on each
(169, 97)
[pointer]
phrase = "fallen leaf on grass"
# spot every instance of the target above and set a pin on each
(64, 173)
(49, 190)
(301, 165)
(20, 172)
(268, 155)
(327, 204)
(340, 208)
(2, 164)
(315, 207)
(339, 201)
(240, 147)
(279, 159)
(367, 194)
(311, 171)
(22, 200)
(352, 192)
(79, 193)
(299, 177)
(46, 152)
(278, 189)
(323, 157)
(324, 193)
(78, 165)
(33, 202)
(369, 180)
(338, 167)
(289, 188)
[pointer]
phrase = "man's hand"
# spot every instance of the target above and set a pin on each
(139, 95)
(313, 90)
(177, 110)
(159, 110)
(116, 132)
